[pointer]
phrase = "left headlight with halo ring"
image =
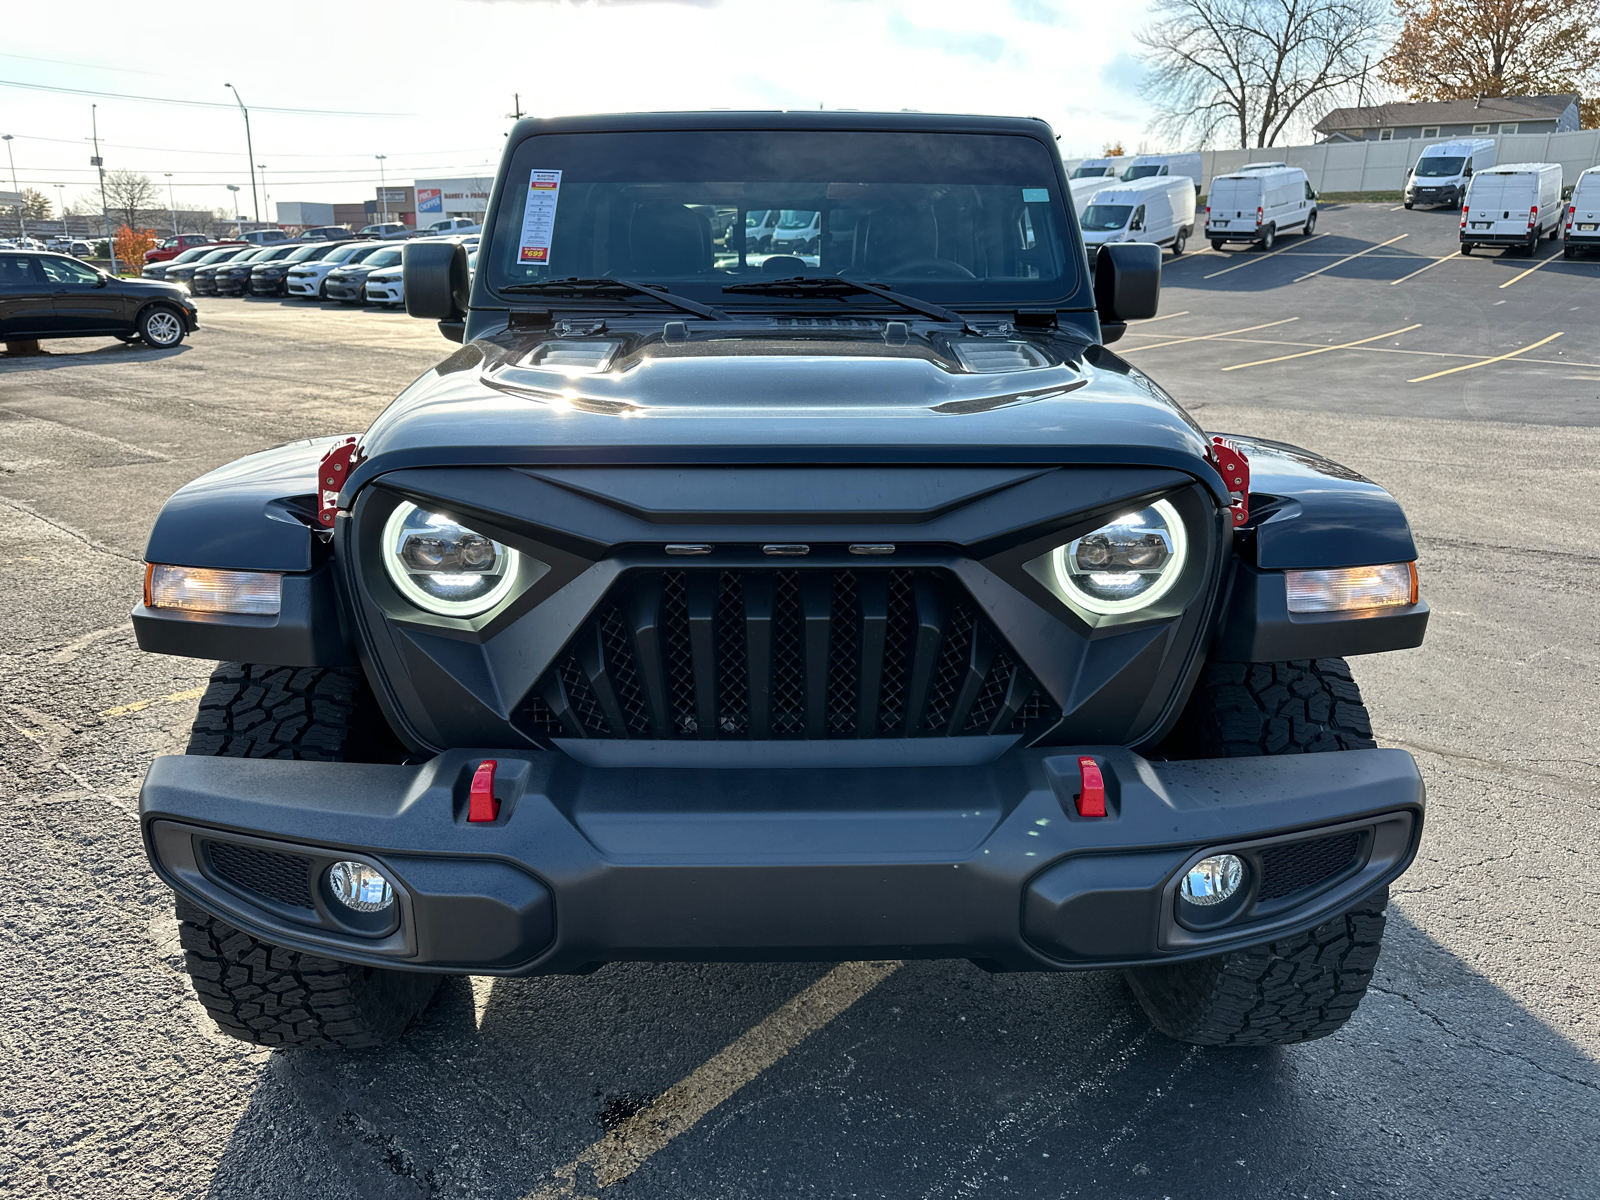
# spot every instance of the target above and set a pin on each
(1126, 564)
(443, 567)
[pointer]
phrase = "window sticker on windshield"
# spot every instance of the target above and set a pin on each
(539, 218)
(1036, 195)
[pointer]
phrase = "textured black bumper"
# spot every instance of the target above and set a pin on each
(586, 865)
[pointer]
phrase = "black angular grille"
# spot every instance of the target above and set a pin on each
(1287, 869)
(799, 653)
(285, 878)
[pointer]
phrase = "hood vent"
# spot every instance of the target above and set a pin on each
(996, 358)
(575, 357)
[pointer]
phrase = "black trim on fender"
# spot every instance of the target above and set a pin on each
(1258, 626)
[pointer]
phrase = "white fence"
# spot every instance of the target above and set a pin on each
(1384, 166)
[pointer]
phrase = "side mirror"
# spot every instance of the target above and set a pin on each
(435, 279)
(102, 279)
(1127, 285)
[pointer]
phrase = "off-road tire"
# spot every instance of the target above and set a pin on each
(320, 714)
(276, 997)
(1293, 990)
(1305, 706)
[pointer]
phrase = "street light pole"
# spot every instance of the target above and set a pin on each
(171, 203)
(238, 228)
(100, 164)
(61, 195)
(266, 196)
(383, 187)
(22, 210)
(254, 199)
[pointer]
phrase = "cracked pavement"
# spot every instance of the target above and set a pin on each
(1472, 1068)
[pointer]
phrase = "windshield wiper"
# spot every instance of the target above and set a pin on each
(617, 287)
(834, 287)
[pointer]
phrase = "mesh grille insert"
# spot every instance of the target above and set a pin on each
(285, 878)
(1298, 865)
(808, 653)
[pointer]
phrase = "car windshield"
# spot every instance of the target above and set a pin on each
(1436, 168)
(345, 250)
(1106, 218)
(943, 216)
(219, 255)
(1090, 173)
(193, 253)
(383, 258)
(1142, 172)
(304, 252)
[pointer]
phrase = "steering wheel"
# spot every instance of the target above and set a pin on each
(928, 268)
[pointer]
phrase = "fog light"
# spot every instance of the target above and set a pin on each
(358, 885)
(1213, 880)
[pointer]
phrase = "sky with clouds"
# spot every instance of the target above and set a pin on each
(429, 83)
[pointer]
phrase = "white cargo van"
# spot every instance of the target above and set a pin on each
(1147, 166)
(1583, 215)
(1159, 209)
(1095, 168)
(1256, 206)
(1444, 171)
(1513, 205)
(1084, 190)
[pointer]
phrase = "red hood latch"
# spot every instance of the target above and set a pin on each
(332, 473)
(1234, 468)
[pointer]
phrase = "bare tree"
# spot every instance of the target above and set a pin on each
(1253, 69)
(129, 194)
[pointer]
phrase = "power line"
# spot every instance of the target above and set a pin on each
(305, 112)
(32, 137)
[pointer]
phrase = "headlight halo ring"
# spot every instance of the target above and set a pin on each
(439, 605)
(1167, 578)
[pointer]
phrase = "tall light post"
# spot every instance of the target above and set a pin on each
(266, 196)
(254, 199)
(22, 210)
(100, 164)
(171, 203)
(61, 195)
(238, 228)
(383, 187)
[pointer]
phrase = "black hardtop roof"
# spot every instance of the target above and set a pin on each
(907, 122)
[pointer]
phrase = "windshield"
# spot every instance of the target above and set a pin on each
(1436, 168)
(193, 253)
(1144, 172)
(345, 251)
(1091, 172)
(305, 252)
(383, 258)
(1106, 218)
(974, 217)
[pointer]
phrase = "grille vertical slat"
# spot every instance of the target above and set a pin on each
(932, 622)
(644, 623)
(785, 653)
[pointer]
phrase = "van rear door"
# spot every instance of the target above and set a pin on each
(1489, 204)
(1233, 203)
(1583, 220)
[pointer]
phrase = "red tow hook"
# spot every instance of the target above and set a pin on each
(481, 804)
(1091, 788)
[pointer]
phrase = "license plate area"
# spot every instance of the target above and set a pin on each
(1590, 228)
(1482, 224)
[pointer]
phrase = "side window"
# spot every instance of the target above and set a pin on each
(64, 270)
(1138, 218)
(1310, 195)
(1386, 135)
(17, 273)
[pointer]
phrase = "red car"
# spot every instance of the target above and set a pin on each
(175, 246)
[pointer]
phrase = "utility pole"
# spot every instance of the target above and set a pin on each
(1361, 93)
(254, 199)
(22, 210)
(61, 195)
(266, 197)
(238, 227)
(516, 106)
(171, 203)
(100, 164)
(383, 187)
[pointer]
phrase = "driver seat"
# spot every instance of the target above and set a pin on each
(894, 236)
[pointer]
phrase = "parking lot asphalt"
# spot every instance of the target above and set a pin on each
(1472, 1068)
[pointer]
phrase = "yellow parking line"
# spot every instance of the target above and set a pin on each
(1206, 337)
(1323, 349)
(1255, 258)
(1530, 270)
(1350, 257)
(135, 706)
(1484, 362)
(624, 1150)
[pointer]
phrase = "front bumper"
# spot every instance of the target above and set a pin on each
(345, 289)
(303, 287)
(232, 285)
(266, 285)
(586, 865)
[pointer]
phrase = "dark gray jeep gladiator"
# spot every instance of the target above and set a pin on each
(848, 599)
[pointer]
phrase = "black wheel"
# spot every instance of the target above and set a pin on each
(1531, 247)
(1216, 243)
(1466, 247)
(1567, 252)
(1294, 990)
(1301, 987)
(264, 993)
(276, 997)
(1179, 243)
(1269, 237)
(1408, 204)
(1310, 226)
(161, 327)
(1552, 234)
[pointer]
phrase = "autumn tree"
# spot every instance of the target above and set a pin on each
(128, 194)
(36, 205)
(1252, 70)
(1113, 149)
(132, 244)
(1459, 49)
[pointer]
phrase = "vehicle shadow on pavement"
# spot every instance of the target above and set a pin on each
(99, 356)
(942, 1081)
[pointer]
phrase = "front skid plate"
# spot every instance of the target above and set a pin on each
(591, 864)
